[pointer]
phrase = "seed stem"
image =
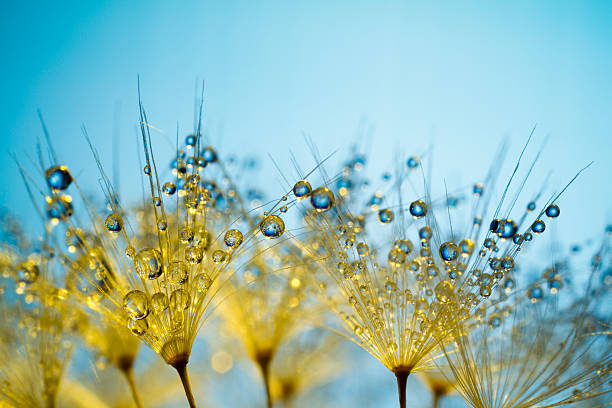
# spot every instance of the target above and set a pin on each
(181, 369)
(436, 400)
(263, 361)
(401, 374)
(128, 373)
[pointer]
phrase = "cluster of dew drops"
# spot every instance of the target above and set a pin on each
(198, 194)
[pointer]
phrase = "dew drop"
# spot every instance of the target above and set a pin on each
(396, 257)
(136, 304)
(114, 223)
(485, 291)
(194, 255)
(148, 263)
(362, 249)
(425, 233)
(302, 189)
(538, 226)
(233, 238)
(219, 256)
(169, 188)
(27, 273)
(495, 321)
(202, 282)
(272, 226)
(322, 199)
(467, 247)
(412, 162)
(186, 235)
(449, 251)
(58, 178)
(177, 273)
(553, 211)
(444, 292)
(209, 154)
(418, 209)
(59, 207)
(535, 293)
(191, 140)
(180, 300)
(385, 216)
(138, 327)
(159, 302)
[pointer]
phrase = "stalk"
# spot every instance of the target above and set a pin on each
(129, 377)
(436, 400)
(181, 369)
(401, 374)
(263, 361)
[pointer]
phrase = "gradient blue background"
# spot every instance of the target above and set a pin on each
(460, 76)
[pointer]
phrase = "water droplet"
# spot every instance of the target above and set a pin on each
(485, 291)
(209, 154)
(421, 306)
(418, 209)
(114, 223)
(535, 293)
(162, 225)
(147, 170)
(27, 273)
(432, 271)
(538, 226)
(59, 207)
(148, 263)
(136, 304)
(194, 180)
(444, 292)
(509, 284)
(363, 249)
(202, 282)
(467, 247)
(385, 216)
(528, 237)
(169, 188)
(186, 235)
(412, 162)
(272, 226)
(138, 327)
(322, 199)
(130, 251)
(219, 256)
(58, 178)
(233, 238)
(159, 302)
(478, 189)
(553, 211)
(449, 251)
(405, 245)
(179, 300)
(177, 273)
(194, 255)
(191, 140)
(396, 257)
(495, 321)
(425, 233)
(531, 206)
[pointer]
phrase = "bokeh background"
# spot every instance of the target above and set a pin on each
(454, 79)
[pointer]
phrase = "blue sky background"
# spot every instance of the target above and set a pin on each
(460, 76)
